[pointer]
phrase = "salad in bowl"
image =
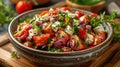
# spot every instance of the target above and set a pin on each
(61, 30)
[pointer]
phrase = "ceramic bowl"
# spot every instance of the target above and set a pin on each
(54, 58)
(93, 8)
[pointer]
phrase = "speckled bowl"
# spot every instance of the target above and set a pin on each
(61, 58)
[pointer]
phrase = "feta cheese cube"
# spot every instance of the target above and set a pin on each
(82, 18)
(69, 30)
(45, 17)
(89, 39)
(55, 26)
(32, 32)
(71, 15)
(98, 28)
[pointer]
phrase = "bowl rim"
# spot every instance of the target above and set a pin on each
(57, 53)
(80, 5)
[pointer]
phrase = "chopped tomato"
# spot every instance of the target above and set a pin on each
(55, 12)
(82, 33)
(102, 34)
(75, 43)
(79, 14)
(49, 30)
(94, 15)
(27, 43)
(80, 47)
(43, 13)
(86, 19)
(97, 40)
(62, 38)
(65, 8)
(66, 49)
(22, 35)
(41, 40)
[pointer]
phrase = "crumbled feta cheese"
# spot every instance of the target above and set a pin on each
(82, 18)
(98, 28)
(72, 15)
(51, 9)
(67, 11)
(32, 32)
(44, 25)
(55, 26)
(89, 39)
(51, 19)
(69, 30)
(45, 17)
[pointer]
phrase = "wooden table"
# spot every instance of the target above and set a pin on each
(110, 58)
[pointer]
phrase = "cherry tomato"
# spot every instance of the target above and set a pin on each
(41, 40)
(22, 35)
(23, 6)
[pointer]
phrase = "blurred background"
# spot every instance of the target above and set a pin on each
(11, 8)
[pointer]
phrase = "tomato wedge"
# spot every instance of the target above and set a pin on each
(97, 40)
(22, 35)
(41, 40)
(43, 13)
(65, 8)
(55, 12)
(27, 43)
(102, 34)
(94, 15)
(82, 33)
(79, 14)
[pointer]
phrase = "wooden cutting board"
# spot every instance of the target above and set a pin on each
(110, 58)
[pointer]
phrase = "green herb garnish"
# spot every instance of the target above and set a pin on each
(6, 13)
(14, 54)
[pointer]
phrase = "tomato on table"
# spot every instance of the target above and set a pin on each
(23, 6)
